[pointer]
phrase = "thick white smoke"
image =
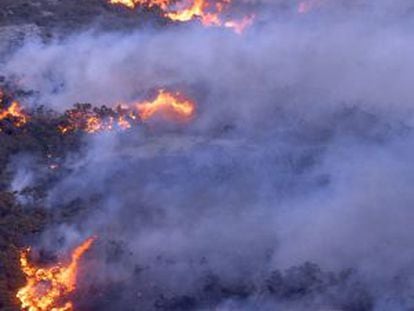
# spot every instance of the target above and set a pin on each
(300, 151)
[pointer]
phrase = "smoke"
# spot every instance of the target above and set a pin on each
(297, 62)
(301, 151)
(23, 171)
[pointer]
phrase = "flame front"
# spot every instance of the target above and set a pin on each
(46, 289)
(168, 104)
(171, 106)
(207, 11)
(14, 112)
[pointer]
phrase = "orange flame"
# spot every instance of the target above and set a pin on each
(46, 289)
(14, 112)
(173, 106)
(168, 104)
(97, 120)
(186, 10)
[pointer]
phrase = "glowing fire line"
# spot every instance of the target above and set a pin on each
(166, 103)
(184, 11)
(169, 105)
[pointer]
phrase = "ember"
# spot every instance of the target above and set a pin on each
(89, 120)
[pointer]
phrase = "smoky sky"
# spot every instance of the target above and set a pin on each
(300, 151)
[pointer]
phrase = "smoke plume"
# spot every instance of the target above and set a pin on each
(290, 188)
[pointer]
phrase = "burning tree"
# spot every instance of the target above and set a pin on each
(11, 112)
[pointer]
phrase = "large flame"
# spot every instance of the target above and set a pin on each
(169, 105)
(13, 112)
(207, 11)
(47, 289)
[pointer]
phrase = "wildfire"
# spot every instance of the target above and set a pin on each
(46, 289)
(149, 3)
(14, 112)
(170, 105)
(207, 11)
(89, 120)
